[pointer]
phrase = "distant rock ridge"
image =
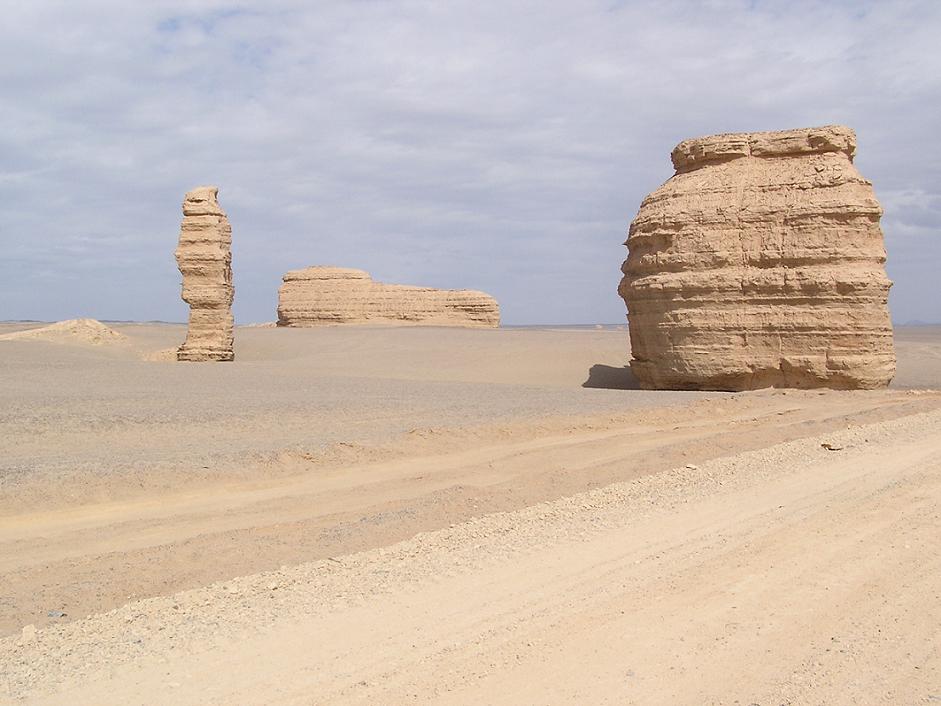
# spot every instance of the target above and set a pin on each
(320, 295)
(204, 256)
(760, 263)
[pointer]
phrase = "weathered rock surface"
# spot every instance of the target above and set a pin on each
(204, 256)
(760, 263)
(333, 295)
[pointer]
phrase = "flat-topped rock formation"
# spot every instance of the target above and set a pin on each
(204, 256)
(316, 296)
(760, 263)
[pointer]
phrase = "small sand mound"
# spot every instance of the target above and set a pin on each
(71, 331)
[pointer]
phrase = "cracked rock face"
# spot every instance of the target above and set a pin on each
(316, 296)
(760, 263)
(204, 256)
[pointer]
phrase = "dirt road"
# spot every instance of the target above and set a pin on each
(788, 574)
(97, 556)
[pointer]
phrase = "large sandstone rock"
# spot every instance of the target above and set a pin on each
(760, 264)
(334, 295)
(204, 256)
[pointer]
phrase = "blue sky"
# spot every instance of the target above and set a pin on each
(497, 146)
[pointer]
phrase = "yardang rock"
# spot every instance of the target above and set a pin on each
(316, 296)
(760, 263)
(204, 256)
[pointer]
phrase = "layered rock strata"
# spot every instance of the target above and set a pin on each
(760, 263)
(333, 295)
(204, 256)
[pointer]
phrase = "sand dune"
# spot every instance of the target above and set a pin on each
(70, 331)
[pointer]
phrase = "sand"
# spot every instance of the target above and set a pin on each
(446, 516)
(69, 332)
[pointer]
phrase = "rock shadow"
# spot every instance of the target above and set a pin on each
(609, 377)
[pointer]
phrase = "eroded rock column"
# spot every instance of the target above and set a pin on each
(204, 256)
(760, 263)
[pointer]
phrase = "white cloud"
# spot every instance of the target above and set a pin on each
(502, 146)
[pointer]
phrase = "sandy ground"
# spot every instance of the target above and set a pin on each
(82, 422)
(446, 516)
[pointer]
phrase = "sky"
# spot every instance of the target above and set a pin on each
(502, 146)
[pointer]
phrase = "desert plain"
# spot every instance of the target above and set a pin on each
(377, 515)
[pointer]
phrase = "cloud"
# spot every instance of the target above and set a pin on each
(500, 146)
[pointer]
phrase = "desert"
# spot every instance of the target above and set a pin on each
(438, 515)
(447, 353)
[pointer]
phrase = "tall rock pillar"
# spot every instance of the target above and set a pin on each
(204, 256)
